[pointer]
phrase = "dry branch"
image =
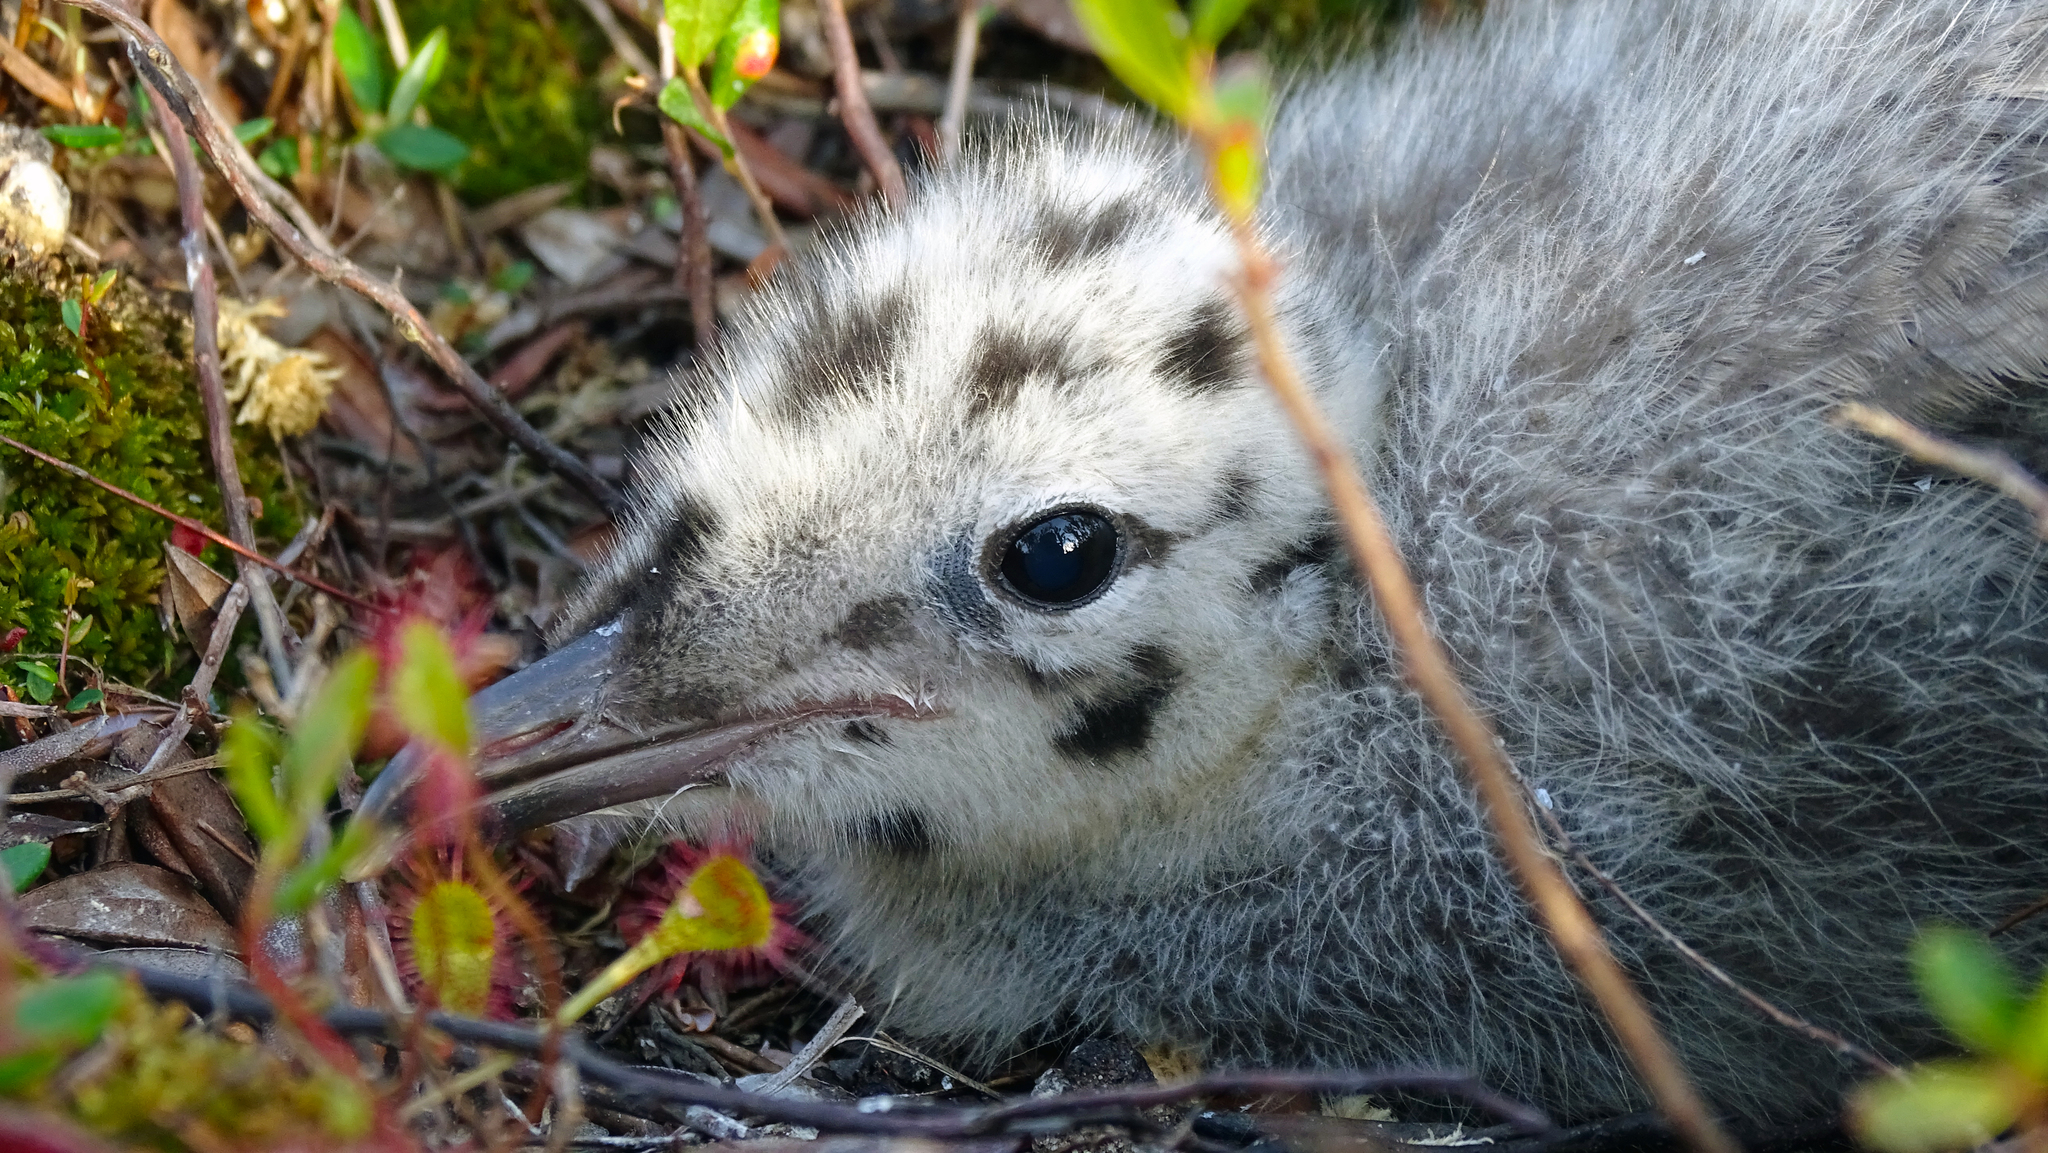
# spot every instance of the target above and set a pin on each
(853, 105)
(153, 62)
(966, 42)
(1987, 465)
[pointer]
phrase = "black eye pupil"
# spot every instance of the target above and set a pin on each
(1062, 559)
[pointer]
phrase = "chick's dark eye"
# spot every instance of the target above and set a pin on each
(1061, 560)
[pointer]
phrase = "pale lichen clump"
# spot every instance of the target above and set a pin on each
(283, 389)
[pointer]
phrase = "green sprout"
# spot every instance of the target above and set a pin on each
(387, 106)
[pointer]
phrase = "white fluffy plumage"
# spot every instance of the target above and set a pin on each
(1581, 283)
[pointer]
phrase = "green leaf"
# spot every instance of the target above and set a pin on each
(2028, 1047)
(1967, 985)
(247, 753)
(38, 678)
(250, 131)
(362, 63)
(746, 52)
(102, 283)
(1139, 41)
(74, 315)
(281, 159)
(424, 149)
(68, 1011)
(427, 692)
(1241, 101)
(699, 25)
(326, 735)
(1214, 18)
(304, 885)
(1938, 1107)
(419, 76)
(84, 700)
(676, 103)
(83, 135)
(454, 944)
(513, 277)
(21, 864)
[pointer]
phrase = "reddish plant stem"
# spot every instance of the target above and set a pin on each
(1572, 930)
(154, 63)
(693, 248)
(854, 110)
(199, 527)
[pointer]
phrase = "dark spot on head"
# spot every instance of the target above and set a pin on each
(843, 349)
(902, 832)
(1267, 578)
(679, 547)
(1004, 358)
(1053, 682)
(872, 623)
(1208, 354)
(1234, 499)
(1065, 235)
(866, 732)
(1120, 721)
(1144, 543)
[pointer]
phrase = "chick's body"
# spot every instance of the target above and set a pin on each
(1581, 285)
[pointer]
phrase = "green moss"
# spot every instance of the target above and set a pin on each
(144, 432)
(522, 93)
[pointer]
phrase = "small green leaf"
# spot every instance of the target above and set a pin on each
(513, 277)
(102, 283)
(328, 730)
(676, 103)
(281, 159)
(2028, 1047)
(1938, 1107)
(250, 131)
(1140, 42)
(699, 25)
(247, 754)
(21, 864)
(362, 63)
(67, 1010)
(83, 135)
(38, 678)
(746, 52)
(424, 149)
(455, 943)
(84, 700)
(74, 315)
(307, 883)
(419, 76)
(1967, 985)
(1214, 18)
(426, 690)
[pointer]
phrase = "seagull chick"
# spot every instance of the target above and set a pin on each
(979, 579)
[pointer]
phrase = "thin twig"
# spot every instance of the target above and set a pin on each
(213, 399)
(736, 161)
(2020, 917)
(202, 681)
(1714, 972)
(133, 788)
(153, 61)
(853, 105)
(621, 43)
(1572, 929)
(693, 244)
(814, 1050)
(200, 527)
(1038, 1116)
(1983, 464)
(960, 80)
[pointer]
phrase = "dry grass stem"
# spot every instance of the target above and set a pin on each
(854, 111)
(966, 42)
(1373, 551)
(1983, 464)
(737, 161)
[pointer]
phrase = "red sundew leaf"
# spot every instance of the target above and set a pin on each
(9, 642)
(455, 946)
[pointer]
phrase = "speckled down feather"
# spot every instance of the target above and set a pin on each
(1581, 283)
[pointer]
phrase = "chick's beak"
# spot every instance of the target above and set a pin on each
(548, 748)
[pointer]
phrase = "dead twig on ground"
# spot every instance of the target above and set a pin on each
(154, 62)
(1038, 1117)
(693, 244)
(966, 42)
(220, 441)
(202, 681)
(853, 105)
(1982, 464)
(200, 527)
